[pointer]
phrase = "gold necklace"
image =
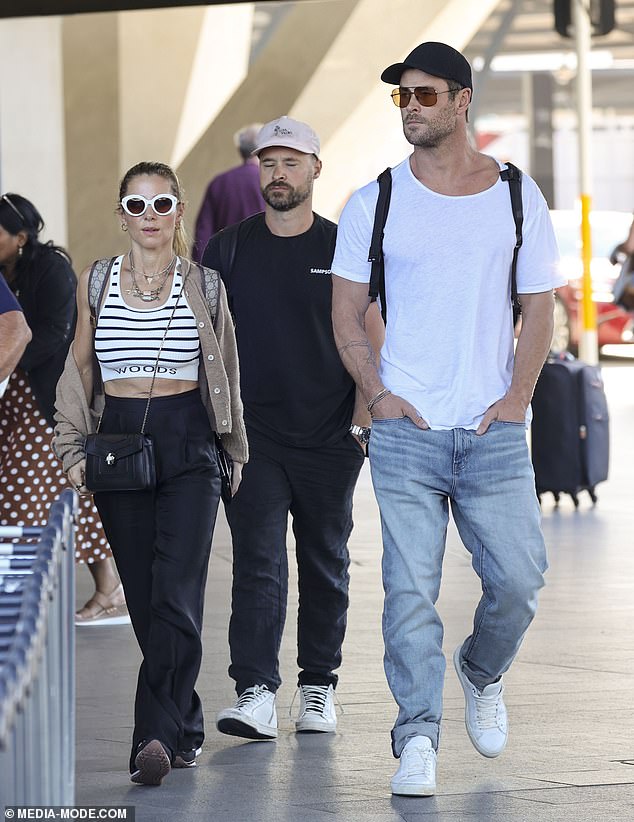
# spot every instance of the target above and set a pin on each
(154, 293)
(150, 277)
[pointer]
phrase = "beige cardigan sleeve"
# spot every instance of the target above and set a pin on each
(219, 376)
(74, 418)
(234, 442)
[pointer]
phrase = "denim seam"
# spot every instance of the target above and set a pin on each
(478, 628)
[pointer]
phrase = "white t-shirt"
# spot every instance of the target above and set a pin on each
(449, 338)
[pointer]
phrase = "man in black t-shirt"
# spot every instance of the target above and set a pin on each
(305, 440)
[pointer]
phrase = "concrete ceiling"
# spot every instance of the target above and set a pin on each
(518, 30)
(33, 8)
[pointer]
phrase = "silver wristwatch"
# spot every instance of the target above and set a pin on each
(361, 433)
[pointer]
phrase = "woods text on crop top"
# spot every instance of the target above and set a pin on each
(127, 340)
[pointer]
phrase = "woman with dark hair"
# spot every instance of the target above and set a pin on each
(166, 359)
(42, 279)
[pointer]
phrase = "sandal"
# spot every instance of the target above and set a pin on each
(104, 610)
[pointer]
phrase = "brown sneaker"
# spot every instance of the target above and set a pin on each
(152, 764)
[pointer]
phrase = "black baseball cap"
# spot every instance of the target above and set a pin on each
(438, 59)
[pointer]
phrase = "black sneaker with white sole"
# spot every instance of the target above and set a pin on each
(186, 759)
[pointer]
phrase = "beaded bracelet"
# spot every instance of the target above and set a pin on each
(378, 397)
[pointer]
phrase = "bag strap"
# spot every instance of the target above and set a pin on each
(98, 280)
(375, 254)
(209, 281)
(513, 176)
(158, 356)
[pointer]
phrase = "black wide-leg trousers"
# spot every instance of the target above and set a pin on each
(161, 542)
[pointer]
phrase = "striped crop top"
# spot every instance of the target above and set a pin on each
(127, 340)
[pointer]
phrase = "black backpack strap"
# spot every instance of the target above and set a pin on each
(375, 254)
(513, 176)
(227, 239)
(98, 280)
(227, 247)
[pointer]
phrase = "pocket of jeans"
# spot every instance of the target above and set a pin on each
(356, 443)
(510, 422)
(381, 420)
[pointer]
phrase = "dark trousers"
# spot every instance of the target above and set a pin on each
(316, 486)
(161, 541)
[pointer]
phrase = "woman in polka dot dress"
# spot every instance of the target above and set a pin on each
(41, 277)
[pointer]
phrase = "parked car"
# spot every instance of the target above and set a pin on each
(614, 326)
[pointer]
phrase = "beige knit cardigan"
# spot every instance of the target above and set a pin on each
(218, 380)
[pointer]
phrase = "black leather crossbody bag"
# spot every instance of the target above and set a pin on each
(120, 462)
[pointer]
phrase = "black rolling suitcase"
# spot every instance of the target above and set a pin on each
(570, 432)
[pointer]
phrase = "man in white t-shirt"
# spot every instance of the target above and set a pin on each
(450, 402)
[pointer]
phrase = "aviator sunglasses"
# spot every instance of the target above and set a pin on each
(136, 204)
(426, 96)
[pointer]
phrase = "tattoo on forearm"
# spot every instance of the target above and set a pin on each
(358, 344)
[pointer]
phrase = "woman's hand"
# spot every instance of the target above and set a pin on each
(77, 478)
(236, 477)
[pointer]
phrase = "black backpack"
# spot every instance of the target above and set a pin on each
(511, 174)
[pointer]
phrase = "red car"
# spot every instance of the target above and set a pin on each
(614, 326)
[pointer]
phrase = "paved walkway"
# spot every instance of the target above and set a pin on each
(569, 694)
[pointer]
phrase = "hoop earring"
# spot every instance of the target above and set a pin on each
(124, 227)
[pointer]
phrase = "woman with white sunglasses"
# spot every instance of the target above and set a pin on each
(160, 539)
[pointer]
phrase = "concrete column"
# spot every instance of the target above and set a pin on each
(178, 67)
(274, 82)
(141, 86)
(32, 159)
(541, 134)
(91, 96)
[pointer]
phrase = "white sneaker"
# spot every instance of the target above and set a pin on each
(484, 714)
(252, 717)
(416, 775)
(316, 709)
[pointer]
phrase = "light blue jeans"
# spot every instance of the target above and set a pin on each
(489, 481)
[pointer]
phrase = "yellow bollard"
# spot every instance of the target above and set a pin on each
(588, 342)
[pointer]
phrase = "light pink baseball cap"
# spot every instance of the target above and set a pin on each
(287, 133)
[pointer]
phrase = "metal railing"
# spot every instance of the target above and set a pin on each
(37, 660)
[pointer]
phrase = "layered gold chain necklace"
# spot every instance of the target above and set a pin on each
(154, 293)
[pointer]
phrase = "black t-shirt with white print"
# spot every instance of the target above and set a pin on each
(294, 387)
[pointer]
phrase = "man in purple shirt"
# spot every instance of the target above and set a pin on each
(232, 196)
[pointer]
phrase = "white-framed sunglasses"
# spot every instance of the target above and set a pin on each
(136, 204)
